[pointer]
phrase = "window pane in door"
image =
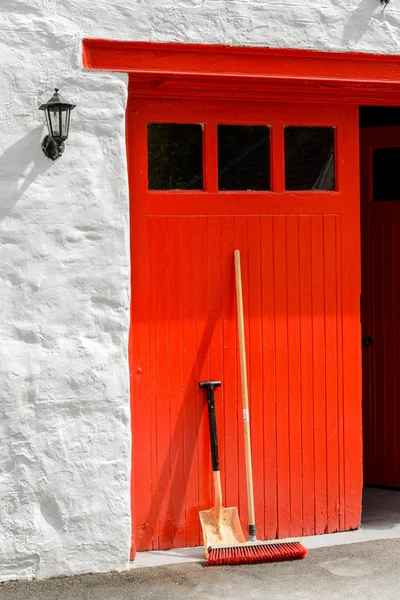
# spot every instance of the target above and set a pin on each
(175, 156)
(310, 158)
(386, 168)
(243, 157)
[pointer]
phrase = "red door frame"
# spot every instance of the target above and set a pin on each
(180, 70)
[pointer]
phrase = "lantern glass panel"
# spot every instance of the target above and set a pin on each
(55, 121)
(48, 122)
(65, 122)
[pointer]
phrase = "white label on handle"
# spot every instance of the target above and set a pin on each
(246, 417)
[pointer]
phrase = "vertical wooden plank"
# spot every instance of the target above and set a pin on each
(281, 374)
(374, 332)
(339, 303)
(140, 391)
(389, 440)
(241, 242)
(153, 513)
(307, 400)
(331, 370)
(318, 308)
(230, 389)
(369, 380)
(176, 394)
(379, 462)
(216, 332)
(201, 278)
(162, 385)
(255, 353)
(366, 301)
(268, 376)
(294, 346)
(396, 331)
(367, 353)
(190, 385)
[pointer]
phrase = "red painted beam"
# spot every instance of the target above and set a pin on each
(146, 58)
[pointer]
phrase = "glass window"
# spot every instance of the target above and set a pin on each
(175, 156)
(310, 158)
(55, 121)
(243, 157)
(386, 168)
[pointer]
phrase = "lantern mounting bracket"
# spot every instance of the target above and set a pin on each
(52, 148)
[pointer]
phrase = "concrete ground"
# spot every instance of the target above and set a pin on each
(356, 571)
(359, 565)
(380, 521)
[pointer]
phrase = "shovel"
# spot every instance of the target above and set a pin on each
(221, 526)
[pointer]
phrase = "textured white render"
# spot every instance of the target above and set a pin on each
(64, 265)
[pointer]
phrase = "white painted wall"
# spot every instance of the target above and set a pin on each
(64, 263)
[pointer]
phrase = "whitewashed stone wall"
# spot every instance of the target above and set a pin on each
(64, 260)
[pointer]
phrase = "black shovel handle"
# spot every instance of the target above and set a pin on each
(212, 421)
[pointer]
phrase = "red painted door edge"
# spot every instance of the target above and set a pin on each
(132, 552)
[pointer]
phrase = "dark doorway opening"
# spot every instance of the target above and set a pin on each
(379, 116)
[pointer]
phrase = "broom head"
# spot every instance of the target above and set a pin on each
(256, 552)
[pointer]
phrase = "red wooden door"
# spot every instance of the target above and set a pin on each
(301, 278)
(380, 153)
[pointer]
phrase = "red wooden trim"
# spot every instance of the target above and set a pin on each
(172, 70)
(252, 202)
(278, 160)
(210, 154)
(316, 114)
(184, 59)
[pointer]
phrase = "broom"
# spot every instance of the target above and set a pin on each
(252, 551)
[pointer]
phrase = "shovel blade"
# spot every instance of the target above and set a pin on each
(221, 527)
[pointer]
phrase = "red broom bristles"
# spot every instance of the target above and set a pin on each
(256, 553)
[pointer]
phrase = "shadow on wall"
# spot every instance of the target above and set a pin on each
(20, 165)
(358, 23)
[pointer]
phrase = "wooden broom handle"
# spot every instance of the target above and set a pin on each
(245, 396)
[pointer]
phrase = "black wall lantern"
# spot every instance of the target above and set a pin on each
(57, 113)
